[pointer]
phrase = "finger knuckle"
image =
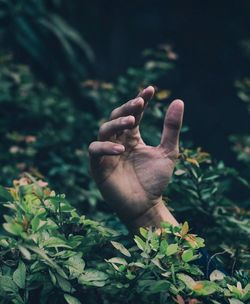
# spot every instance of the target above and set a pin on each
(102, 128)
(91, 148)
(114, 113)
(120, 120)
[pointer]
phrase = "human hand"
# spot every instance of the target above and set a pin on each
(130, 174)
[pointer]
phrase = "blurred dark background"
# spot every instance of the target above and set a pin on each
(207, 38)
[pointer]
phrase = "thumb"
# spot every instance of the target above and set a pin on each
(172, 125)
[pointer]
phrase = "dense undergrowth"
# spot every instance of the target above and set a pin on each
(51, 252)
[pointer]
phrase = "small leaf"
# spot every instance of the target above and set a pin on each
(205, 288)
(56, 243)
(53, 277)
(8, 285)
(159, 286)
(121, 248)
(235, 301)
(71, 300)
(157, 263)
(25, 252)
(216, 275)
(13, 228)
(115, 260)
(179, 172)
(163, 246)
(187, 255)
(5, 196)
(92, 275)
(140, 243)
(187, 280)
(172, 249)
(76, 265)
(143, 232)
(192, 161)
(19, 275)
(64, 284)
(184, 229)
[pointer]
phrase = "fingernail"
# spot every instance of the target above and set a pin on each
(118, 148)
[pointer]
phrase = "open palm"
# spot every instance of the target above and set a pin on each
(131, 175)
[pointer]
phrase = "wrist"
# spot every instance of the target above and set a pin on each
(153, 217)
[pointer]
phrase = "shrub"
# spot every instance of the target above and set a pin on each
(46, 40)
(52, 253)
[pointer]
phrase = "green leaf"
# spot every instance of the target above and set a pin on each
(53, 277)
(189, 282)
(163, 246)
(93, 277)
(159, 286)
(184, 229)
(121, 248)
(25, 252)
(64, 284)
(172, 249)
(70, 299)
(13, 228)
(75, 265)
(56, 243)
(157, 263)
(8, 285)
(19, 275)
(205, 288)
(47, 260)
(235, 301)
(143, 232)
(117, 260)
(37, 223)
(140, 243)
(5, 196)
(187, 255)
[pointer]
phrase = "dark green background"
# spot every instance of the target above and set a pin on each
(207, 37)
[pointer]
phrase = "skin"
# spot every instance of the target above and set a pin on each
(130, 174)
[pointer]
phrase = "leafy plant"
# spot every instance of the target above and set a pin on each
(200, 189)
(51, 252)
(42, 132)
(46, 40)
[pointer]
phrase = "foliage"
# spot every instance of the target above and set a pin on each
(200, 189)
(241, 142)
(42, 132)
(51, 252)
(45, 40)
